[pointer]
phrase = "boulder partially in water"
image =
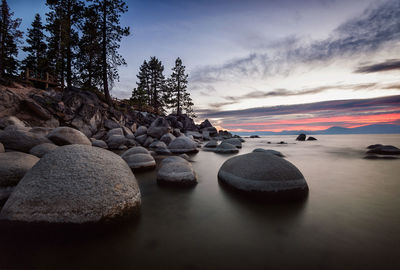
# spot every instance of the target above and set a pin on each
(226, 148)
(176, 171)
(301, 137)
(135, 150)
(211, 144)
(183, 145)
(311, 139)
(139, 161)
(14, 166)
(74, 184)
(263, 174)
(160, 148)
(234, 141)
(42, 149)
(67, 135)
(384, 150)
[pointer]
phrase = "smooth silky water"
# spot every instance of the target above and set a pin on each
(350, 220)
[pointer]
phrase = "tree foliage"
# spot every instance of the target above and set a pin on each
(9, 39)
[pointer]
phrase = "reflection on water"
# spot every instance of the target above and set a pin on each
(351, 219)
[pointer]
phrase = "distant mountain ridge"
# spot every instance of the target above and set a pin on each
(370, 129)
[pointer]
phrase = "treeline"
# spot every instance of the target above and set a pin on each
(78, 43)
(155, 91)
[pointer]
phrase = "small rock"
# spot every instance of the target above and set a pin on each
(301, 137)
(167, 138)
(385, 150)
(142, 130)
(111, 124)
(158, 128)
(116, 141)
(160, 148)
(66, 135)
(183, 145)
(148, 141)
(226, 148)
(21, 140)
(234, 141)
(141, 139)
(115, 131)
(311, 139)
(100, 143)
(211, 144)
(139, 161)
(13, 166)
(177, 171)
(42, 149)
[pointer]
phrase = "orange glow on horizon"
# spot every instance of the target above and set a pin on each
(326, 122)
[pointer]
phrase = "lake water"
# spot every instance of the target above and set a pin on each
(350, 220)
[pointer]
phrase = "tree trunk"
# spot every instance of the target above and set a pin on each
(179, 96)
(69, 53)
(104, 55)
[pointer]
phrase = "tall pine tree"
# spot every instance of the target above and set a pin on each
(9, 38)
(141, 95)
(89, 57)
(179, 97)
(110, 12)
(62, 24)
(157, 84)
(36, 58)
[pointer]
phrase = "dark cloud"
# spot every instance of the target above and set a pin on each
(325, 108)
(388, 65)
(281, 92)
(376, 27)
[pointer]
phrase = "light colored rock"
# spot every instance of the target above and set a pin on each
(74, 184)
(116, 141)
(234, 141)
(183, 145)
(100, 143)
(226, 148)
(13, 166)
(134, 151)
(262, 172)
(158, 128)
(21, 140)
(42, 149)
(269, 151)
(142, 130)
(67, 135)
(140, 161)
(167, 138)
(127, 131)
(176, 170)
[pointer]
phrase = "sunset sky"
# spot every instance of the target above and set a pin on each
(269, 65)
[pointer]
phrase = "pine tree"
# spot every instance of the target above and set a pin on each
(9, 38)
(89, 55)
(37, 49)
(110, 12)
(157, 84)
(142, 94)
(179, 98)
(62, 24)
(139, 97)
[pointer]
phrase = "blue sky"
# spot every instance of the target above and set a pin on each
(247, 55)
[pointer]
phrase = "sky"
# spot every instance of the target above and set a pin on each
(269, 65)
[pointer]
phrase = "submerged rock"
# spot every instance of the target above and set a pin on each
(21, 140)
(13, 166)
(311, 139)
(67, 135)
(183, 145)
(42, 149)
(74, 184)
(264, 174)
(301, 137)
(385, 150)
(177, 171)
(269, 151)
(211, 144)
(374, 146)
(254, 136)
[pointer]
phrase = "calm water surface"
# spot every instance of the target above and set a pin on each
(351, 219)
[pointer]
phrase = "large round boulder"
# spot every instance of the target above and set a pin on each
(135, 150)
(160, 148)
(21, 140)
(226, 148)
(74, 184)
(158, 128)
(42, 149)
(385, 150)
(234, 141)
(140, 161)
(142, 130)
(13, 166)
(265, 174)
(67, 135)
(177, 171)
(182, 145)
(269, 151)
(116, 142)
